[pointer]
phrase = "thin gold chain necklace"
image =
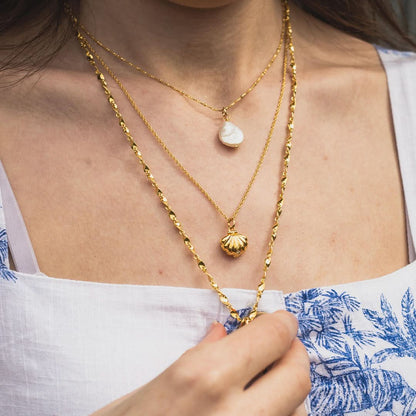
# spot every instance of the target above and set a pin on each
(233, 243)
(229, 134)
(283, 181)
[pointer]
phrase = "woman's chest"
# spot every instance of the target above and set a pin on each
(91, 212)
(97, 216)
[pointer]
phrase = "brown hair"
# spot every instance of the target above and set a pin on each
(381, 22)
(32, 31)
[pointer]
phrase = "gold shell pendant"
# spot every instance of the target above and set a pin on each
(234, 243)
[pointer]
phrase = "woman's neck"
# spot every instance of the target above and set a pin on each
(197, 49)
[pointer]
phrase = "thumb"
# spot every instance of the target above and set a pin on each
(215, 332)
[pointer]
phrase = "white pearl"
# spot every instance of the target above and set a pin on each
(230, 134)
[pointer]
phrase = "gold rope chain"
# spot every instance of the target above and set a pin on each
(283, 181)
(222, 110)
(234, 243)
(230, 219)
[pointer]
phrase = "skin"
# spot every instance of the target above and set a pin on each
(343, 174)
(93, 211)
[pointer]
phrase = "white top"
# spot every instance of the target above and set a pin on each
(69, 347)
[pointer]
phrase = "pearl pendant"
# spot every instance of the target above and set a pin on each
(230, 135)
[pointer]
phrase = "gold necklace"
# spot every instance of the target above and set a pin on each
(233, 243)
(283, 181)
(229, 134)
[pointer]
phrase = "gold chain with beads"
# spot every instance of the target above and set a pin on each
(283, 181)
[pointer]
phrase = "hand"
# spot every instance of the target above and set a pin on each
(211, 378)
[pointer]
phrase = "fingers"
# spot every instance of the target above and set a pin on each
(254, 347)
(285, 387)
(215, 333)
(213, 375)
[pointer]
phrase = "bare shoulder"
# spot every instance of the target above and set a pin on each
(338, 72)
(322, 47)
(43, 117)
(45, 102)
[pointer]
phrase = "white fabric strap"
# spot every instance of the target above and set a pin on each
(20, 245)
(401, 74)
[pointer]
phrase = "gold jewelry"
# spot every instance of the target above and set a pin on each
(283, 181)
(234, 243)
(229, 134)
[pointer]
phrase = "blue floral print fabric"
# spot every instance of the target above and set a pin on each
(351, 364)
(356, 352)
(5, 272)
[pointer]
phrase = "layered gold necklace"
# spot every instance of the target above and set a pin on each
(233, 243)
(289, 52)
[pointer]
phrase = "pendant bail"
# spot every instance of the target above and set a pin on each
(225, 114)
(231, 224)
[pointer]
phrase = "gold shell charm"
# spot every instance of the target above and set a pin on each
(234, 243)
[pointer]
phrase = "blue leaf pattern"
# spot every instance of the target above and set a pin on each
(345, 379)
(409, 314)
(361, 337)
(5, 272)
